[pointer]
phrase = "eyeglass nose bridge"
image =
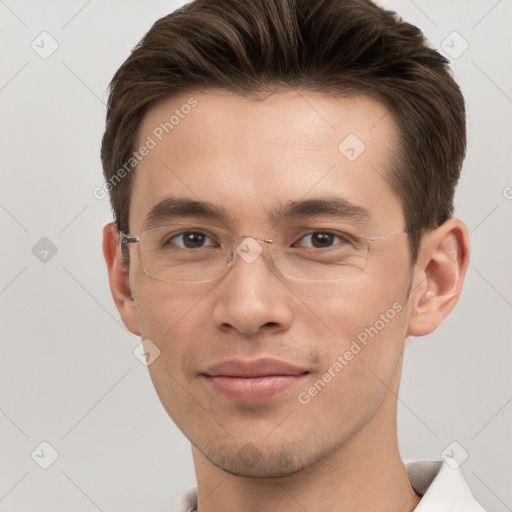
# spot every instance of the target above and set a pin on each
(266, 240)
(234, 247)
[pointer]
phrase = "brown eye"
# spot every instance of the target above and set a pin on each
(324, 240)
(320, 240)
(189, 240)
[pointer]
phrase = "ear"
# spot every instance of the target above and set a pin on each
(438, 276)
(119, 283)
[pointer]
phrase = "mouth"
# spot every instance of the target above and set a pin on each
(255, 381)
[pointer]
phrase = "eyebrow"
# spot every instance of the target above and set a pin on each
(325, 207)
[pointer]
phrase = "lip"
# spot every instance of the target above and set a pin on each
(254, 381)
(262, 367)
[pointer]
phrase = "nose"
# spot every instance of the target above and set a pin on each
(252, 295)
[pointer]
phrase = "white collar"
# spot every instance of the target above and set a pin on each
(443, 489)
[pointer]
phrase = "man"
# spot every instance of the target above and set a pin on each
(282, 176)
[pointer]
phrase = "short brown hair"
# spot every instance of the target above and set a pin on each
(334, 46)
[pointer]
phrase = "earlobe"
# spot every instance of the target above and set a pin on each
(119, 284)
(438, 276)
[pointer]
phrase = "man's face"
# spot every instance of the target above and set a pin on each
(248, 157)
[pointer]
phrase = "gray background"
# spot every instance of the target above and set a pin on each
(68, 375)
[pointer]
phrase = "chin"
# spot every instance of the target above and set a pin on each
(251, 461)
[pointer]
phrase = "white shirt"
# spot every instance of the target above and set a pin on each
(443, 489)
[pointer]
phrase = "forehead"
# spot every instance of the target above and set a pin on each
(251, 155)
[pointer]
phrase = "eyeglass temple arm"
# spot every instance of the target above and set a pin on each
(380, 238)
(125, 239)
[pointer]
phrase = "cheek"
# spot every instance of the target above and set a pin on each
(360, 330)
(174, 319)
(362, 349)
(344, 309)
(177, 318)
(165, 309)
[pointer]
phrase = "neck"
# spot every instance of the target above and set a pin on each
(365, 473)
